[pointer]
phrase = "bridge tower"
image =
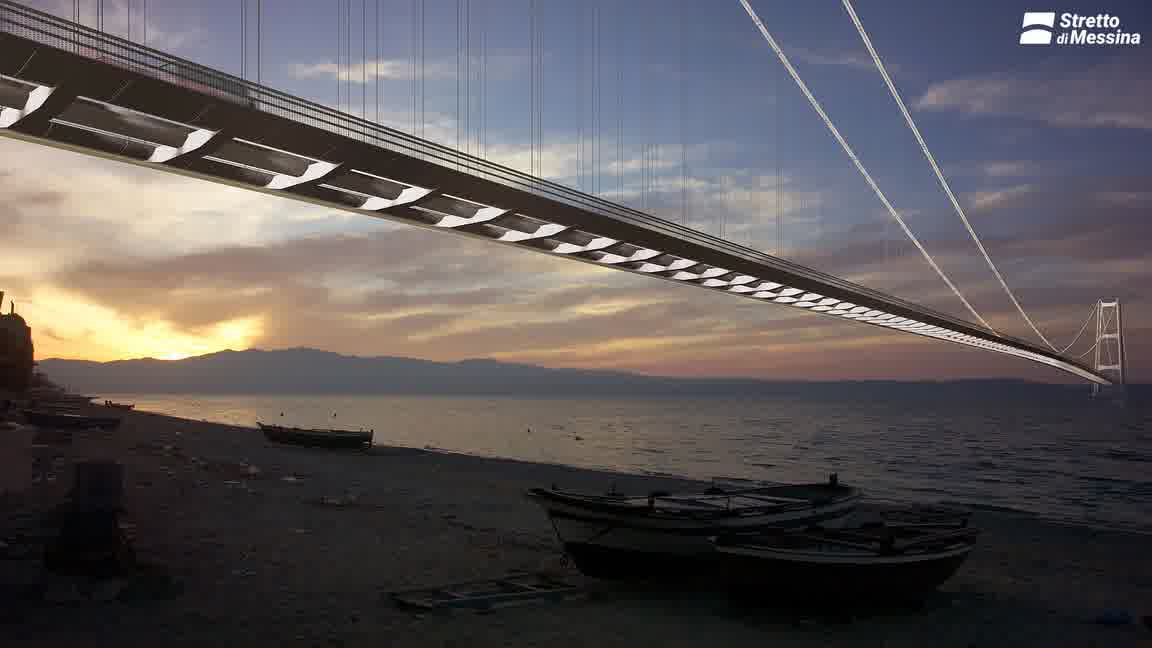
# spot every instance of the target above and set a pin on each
(1109, 343)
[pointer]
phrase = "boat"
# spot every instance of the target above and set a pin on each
(54, 419)
(119, 406)
(318, 438)
(645, 536)
(868, 563)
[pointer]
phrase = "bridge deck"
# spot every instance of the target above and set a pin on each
(68, 86)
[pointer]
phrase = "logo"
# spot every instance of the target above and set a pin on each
(1040, 28)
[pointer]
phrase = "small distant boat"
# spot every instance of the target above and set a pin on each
(652, 536)
(119, 406)
(317, 437)
(862, 564)
(55, 419)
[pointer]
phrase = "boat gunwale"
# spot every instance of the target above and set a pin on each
(550, 500)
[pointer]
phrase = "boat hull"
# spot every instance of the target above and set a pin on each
(318, 438)
(676, 537)
(608, 539)
(815, 577)
(70, 421)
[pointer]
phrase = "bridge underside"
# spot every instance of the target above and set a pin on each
(69, 87)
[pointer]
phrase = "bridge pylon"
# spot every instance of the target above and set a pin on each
(1109, 359)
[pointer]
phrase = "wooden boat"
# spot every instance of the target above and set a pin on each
(865, 563)
(317, 437)
(645, 536)
(58, 419)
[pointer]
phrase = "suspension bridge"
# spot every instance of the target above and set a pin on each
(76, 87)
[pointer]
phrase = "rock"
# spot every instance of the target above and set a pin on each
(1113, 618)
(62, 592)
(347, 499)
(107, 590)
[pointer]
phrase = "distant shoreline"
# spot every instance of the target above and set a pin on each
(311, 371)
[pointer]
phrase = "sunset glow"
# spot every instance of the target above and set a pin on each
(81, 329)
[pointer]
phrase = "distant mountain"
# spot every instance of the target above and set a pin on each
(311, 371)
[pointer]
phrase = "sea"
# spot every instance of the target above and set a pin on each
(1046, 451)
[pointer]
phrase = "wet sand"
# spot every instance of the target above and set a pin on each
(283, 546)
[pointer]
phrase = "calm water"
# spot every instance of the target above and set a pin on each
(1046, 451)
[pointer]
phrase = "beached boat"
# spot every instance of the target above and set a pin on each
(859, 564)
(316, 437)
(61, 419)
(623, 536)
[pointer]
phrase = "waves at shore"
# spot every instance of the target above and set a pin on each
(1058, 461)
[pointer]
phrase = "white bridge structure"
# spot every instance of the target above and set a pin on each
(71, 87)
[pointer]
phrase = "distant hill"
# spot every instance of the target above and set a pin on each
(311, 371)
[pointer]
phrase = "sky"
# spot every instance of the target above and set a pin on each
(679, 108)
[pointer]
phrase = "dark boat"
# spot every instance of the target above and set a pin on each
(316, 437)
(53, 419)
(869, 563)
(651, 536)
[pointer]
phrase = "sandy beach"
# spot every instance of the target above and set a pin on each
(282, 546)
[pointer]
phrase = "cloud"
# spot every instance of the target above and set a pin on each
(1113, 95)
(383, 69)
(116, 22)
(1012, 168)
(985, 200)
(857, 60)
(1127, 198)
(496, 67)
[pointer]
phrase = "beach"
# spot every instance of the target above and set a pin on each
(283, 546)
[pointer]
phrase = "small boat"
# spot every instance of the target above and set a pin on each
(119, 406)
(317, 437)
(55, 419)
(866, 563)
(646, 536)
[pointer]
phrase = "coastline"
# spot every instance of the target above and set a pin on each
(278, 545)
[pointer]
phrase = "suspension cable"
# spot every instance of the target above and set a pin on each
(363, 59)
(339, 53)
(415, 33)
(619, 105)
(1096, 344)
(259, 40)
(377, 62)
(532, 87)
(682, 24)
(936, 168)
(1083, 328)
(856, 161)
